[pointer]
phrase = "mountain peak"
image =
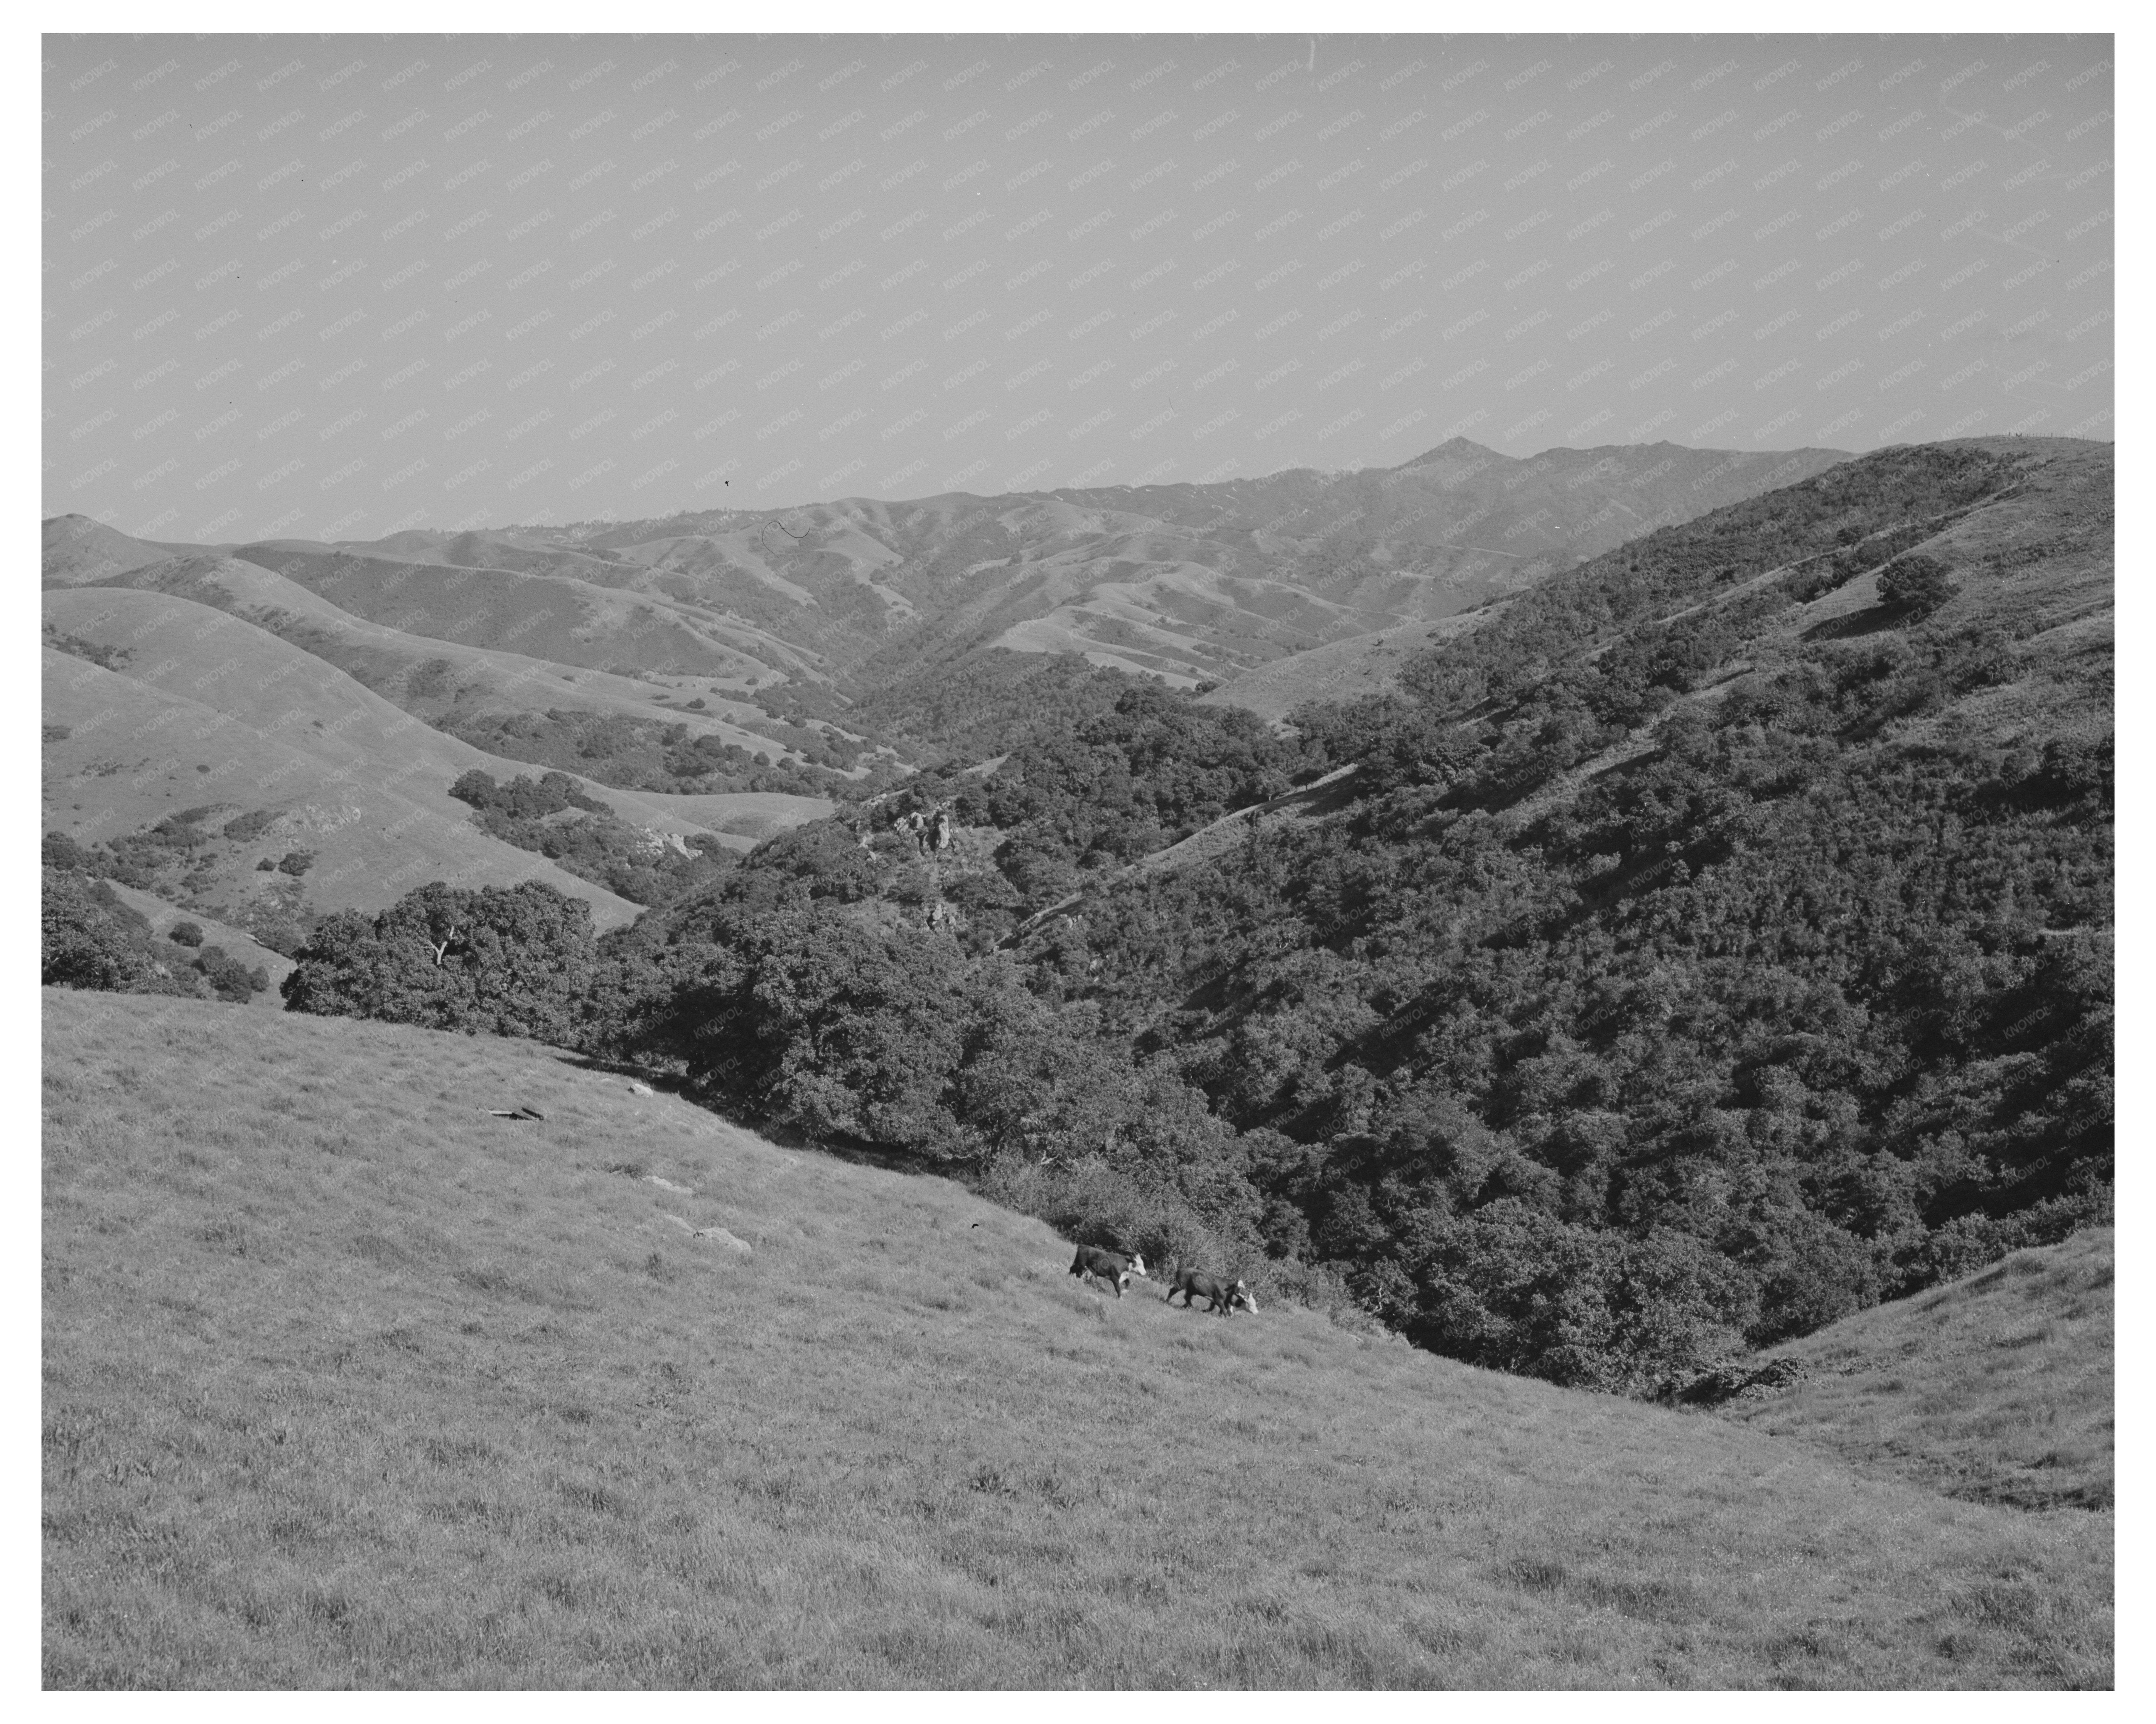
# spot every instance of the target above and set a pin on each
(1453, 448)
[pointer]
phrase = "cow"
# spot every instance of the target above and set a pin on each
(1109, 1266)
(1223, 1297)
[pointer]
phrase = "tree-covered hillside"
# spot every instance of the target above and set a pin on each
(1716, 942)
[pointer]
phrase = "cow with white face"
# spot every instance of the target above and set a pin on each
(1221, 1296)
(1113, 1267)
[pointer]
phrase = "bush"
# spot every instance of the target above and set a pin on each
(283, 927)
(1916, 585)
(185, 933)
(245, 828)
(296, 862)
(233, 980)
(63, 853)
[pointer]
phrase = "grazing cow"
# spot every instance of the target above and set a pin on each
(1223, 1297)
(1109, 1266)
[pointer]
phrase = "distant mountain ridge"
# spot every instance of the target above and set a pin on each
(1192, 582)
(597, 648)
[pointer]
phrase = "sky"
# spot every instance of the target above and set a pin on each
(332, 287)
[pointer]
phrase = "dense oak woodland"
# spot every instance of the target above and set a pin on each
(1702, 949)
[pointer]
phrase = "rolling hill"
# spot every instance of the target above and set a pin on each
(529, 643)
(348, 1380)
(236, 942)
(121, 756)
(1188, 581)
(206, 710)
(429, 677)
(1343, 670)
(1998, 1388)
(597, 649)
(1712, 942)
(76, 550)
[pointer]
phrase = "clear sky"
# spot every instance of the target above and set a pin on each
(331, 287)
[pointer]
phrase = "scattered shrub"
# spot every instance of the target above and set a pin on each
(282, 926)
(185, 933)
(233, 980)
(247, 828)
(1916, 585)
(107, 658)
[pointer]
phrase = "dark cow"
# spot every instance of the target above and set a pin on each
(1109, 1266)
(1223, 1297)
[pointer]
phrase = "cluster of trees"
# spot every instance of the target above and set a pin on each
(974, 703)
(180, 857)
(1896, 498)
(1627, 1018)
(1806, 1005)
(763, 998)
(1114, 769)
(170, 855)
(658, 753)
(92, 938)
(592, 842)
(505, 960)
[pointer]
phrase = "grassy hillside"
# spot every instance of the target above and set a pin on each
(348, 1381)
(218, 725)
(556, 616)
(424, 676)
(1342, 669)
(1193, 582)
(236, 942)
(276, 726)
(75, 549)
(1997, 1388)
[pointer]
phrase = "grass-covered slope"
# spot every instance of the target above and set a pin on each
(76, 550)
(195, 706)
(553, 616)
(347, 1381)
(434, 679)
(1997, 1388)
(120, 754)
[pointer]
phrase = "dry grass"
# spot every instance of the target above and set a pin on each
(485, 679)
(211, 709)
(1997, 1388)
(1342, 669)
(348, 1383)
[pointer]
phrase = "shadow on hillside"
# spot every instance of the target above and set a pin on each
(858, 1154)
(1874, 619)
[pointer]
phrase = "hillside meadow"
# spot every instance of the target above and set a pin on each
(348, 1381)
(1998, 1388)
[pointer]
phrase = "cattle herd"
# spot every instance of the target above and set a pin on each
(1116, 1270)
